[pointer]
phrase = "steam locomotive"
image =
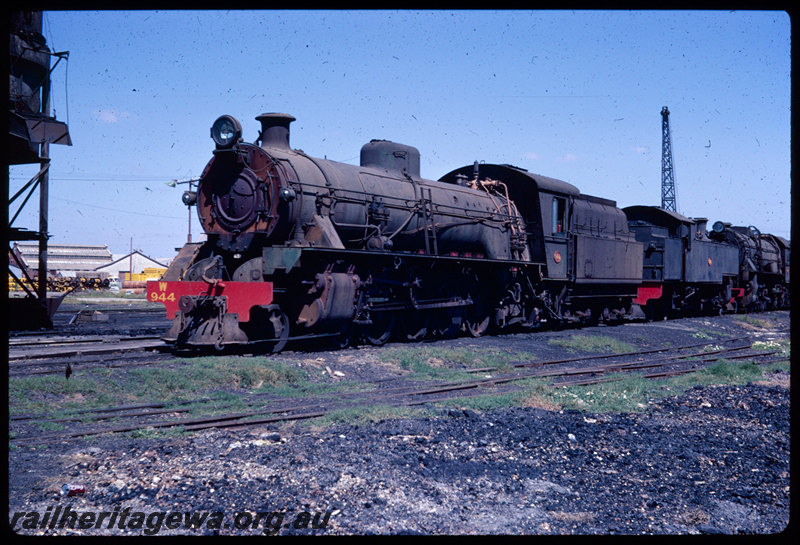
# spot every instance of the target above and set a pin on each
(300, 247)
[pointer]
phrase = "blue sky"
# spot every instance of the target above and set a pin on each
(574, 95)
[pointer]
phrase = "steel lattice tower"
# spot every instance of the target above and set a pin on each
(668, 196)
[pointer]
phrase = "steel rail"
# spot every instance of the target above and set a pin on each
(363, 398)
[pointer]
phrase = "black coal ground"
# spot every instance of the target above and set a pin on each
(714, 460)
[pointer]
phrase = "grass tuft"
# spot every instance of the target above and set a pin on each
(437, 362)
(635, 393)
(593, 343)
(92, 388)
(364, 415)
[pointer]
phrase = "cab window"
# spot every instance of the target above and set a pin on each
(559, 217)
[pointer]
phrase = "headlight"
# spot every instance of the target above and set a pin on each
(226, 131)
(189, 198)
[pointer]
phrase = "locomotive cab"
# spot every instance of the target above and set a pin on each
(590, 262)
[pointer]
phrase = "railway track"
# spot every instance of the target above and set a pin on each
(267, 409)
(52, 355)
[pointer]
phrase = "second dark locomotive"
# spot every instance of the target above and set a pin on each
(301, 247)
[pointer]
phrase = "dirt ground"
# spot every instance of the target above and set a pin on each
(712, 460)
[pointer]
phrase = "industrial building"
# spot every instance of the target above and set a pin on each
(64, 260)
(135, 261)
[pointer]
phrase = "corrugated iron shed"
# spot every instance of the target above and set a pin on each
(63, 257)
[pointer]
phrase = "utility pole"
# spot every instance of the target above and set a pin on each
(668, 195)
(189, 198)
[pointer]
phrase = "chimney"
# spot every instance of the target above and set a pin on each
(275, 130)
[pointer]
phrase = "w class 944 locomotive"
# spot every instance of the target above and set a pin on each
(300, 247)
